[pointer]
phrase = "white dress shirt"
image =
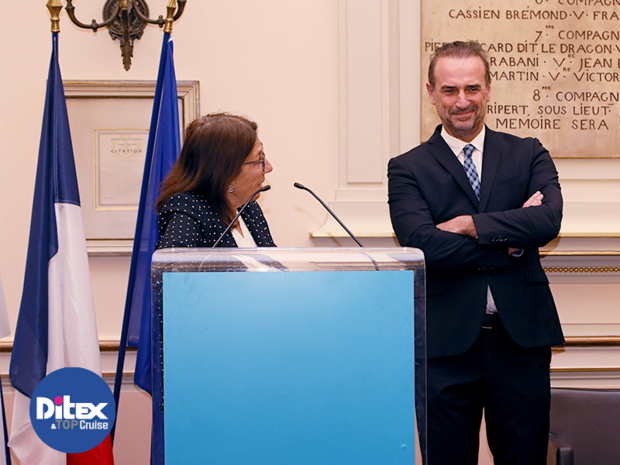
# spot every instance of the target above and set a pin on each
(456, 145)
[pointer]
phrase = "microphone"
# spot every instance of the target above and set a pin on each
(301, 186)
(262, 189)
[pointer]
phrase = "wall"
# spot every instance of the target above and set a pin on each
(275, 61)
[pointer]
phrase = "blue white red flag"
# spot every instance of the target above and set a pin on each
(163, 149)
(56, 325)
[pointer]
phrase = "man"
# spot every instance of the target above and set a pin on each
(479, 203)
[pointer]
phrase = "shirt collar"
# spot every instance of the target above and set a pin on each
(456, 145)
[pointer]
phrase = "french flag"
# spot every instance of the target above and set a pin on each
(56, 325)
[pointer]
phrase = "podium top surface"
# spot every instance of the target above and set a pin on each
(287, 259)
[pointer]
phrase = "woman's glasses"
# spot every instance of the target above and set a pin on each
(260, 160)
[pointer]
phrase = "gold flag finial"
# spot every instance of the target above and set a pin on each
(172, 6)
(55, 6)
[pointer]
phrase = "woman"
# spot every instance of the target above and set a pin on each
(222, 163)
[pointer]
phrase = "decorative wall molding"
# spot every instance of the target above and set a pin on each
(586, 264)
(585, 366)
(582, 269)
(104, 346)
(380, 94)
(576, 363)
(592, 341)
(585, 379)
(379, 110)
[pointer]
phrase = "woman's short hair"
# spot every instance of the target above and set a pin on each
(214, 149)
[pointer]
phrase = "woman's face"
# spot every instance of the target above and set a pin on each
(251, 177)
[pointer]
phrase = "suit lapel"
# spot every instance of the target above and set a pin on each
(250, 216)
(445, 156)
(490, 164)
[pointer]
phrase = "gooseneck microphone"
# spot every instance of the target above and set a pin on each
(262, 189)
(301, 186)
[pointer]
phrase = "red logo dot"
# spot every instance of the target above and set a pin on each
(58, 400)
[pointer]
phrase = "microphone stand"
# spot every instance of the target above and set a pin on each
(301, 186)
(262, 189)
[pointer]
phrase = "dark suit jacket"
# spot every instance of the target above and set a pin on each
(187, 220)
(428, 186)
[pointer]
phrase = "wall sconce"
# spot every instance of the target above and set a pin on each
(126, 20)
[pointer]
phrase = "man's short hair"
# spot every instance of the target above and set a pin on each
(459, 49)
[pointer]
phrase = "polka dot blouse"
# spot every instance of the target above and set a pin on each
(187, 220)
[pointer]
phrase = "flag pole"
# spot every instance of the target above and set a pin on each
(57, 293)
(122, 350)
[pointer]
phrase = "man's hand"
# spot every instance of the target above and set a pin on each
(535, 200)
(463, 224)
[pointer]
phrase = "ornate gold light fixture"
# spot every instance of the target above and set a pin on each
(126, 20)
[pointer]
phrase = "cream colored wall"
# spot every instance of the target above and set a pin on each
(272, 60)
(276, 61)
(282, 63)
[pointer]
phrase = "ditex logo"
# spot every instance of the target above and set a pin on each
(72, 410)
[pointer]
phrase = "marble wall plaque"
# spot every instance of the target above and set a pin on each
(555, 68)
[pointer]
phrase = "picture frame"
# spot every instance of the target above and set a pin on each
(109, 123)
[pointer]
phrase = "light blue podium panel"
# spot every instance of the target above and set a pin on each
(306, 357)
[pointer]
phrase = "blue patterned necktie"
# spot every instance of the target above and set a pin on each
(470, 169)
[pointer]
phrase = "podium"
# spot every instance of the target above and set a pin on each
(276, 356)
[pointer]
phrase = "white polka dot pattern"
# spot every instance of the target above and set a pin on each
(187, 220)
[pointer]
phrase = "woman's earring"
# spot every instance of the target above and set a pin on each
(231, 189)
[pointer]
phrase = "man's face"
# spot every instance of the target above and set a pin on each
(460, 95)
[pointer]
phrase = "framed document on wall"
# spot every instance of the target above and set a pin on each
(109, 123)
